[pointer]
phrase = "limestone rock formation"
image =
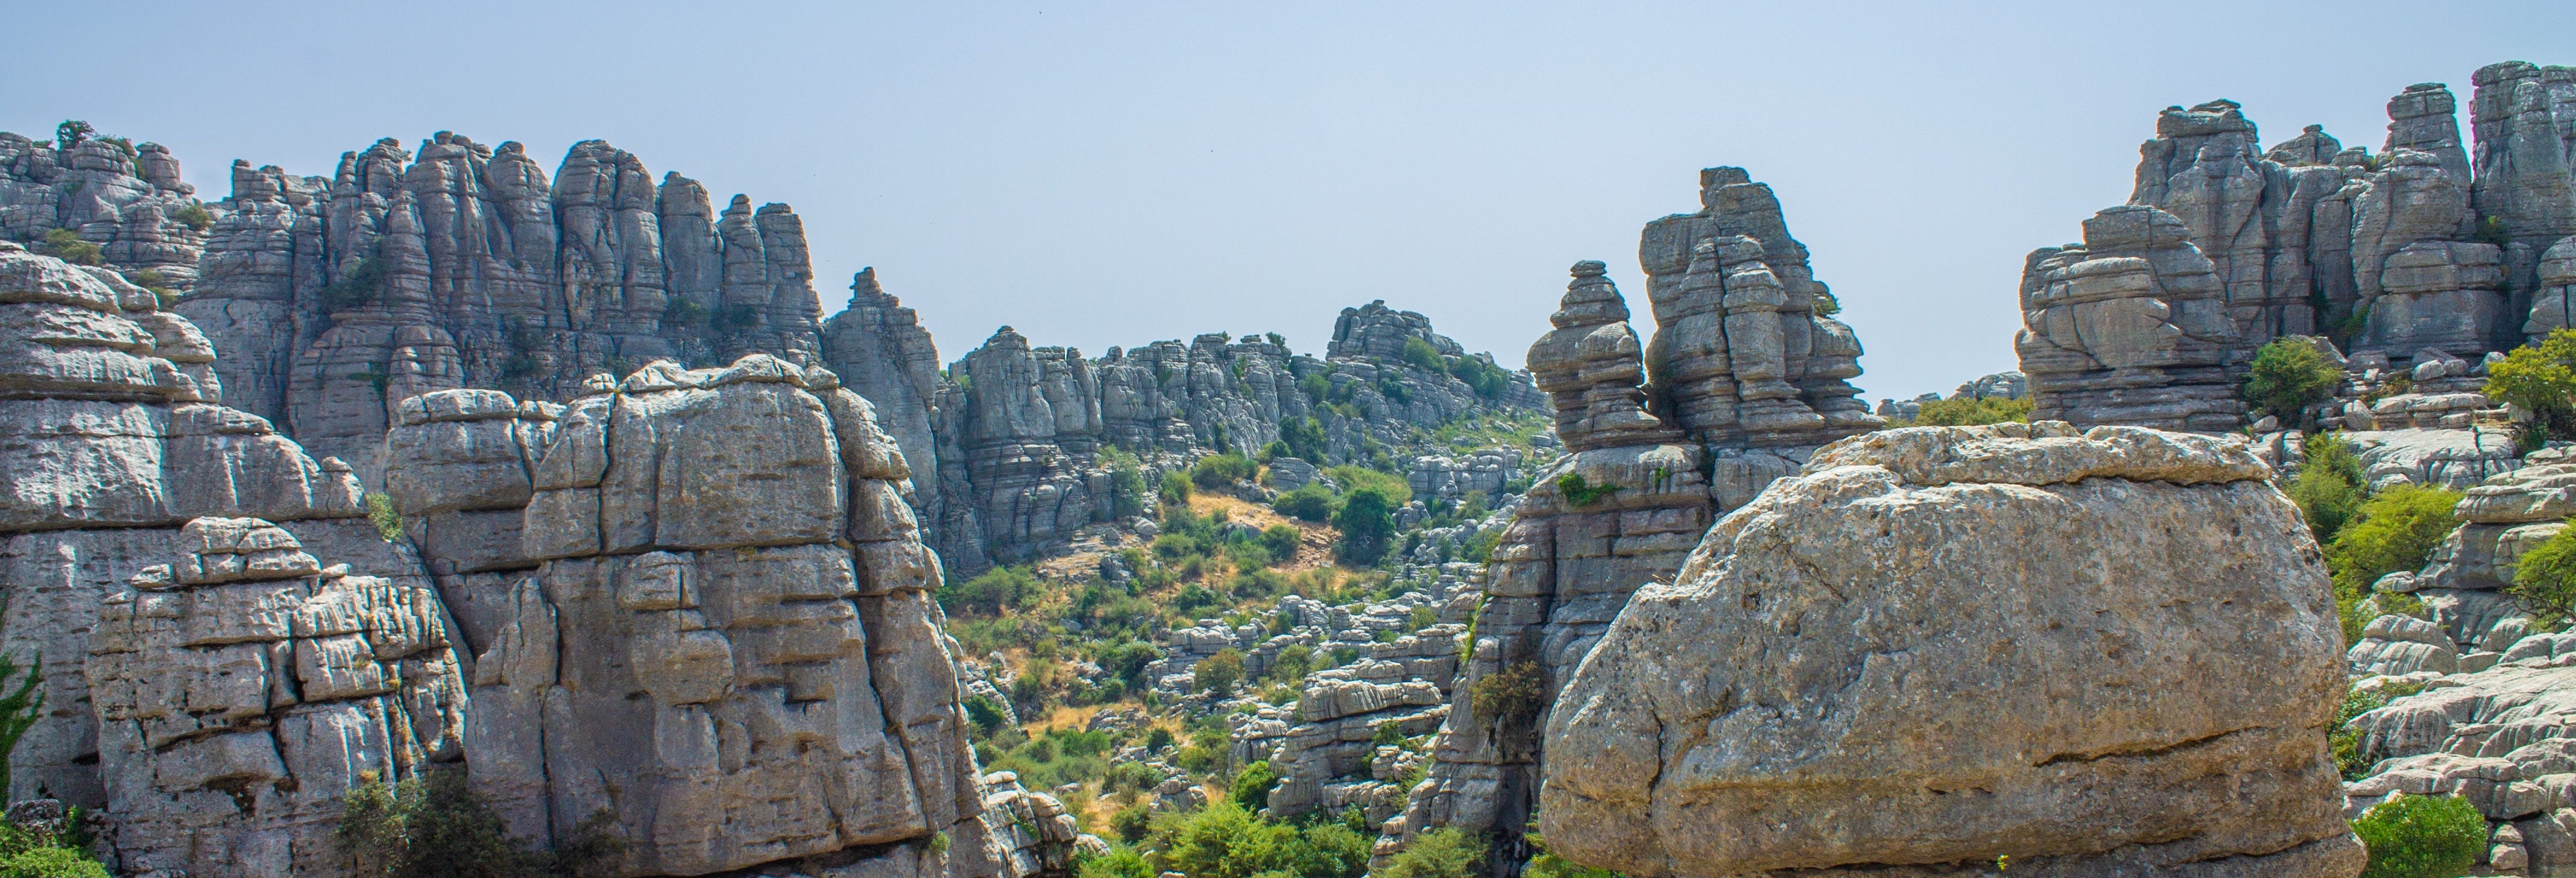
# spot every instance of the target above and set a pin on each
(2493, 736)
(124, 198)
(2129, 327)
(1623, 509)
(242, 691)
(213, 687)
(2091, 652)
(462, 266)
(729, 645)
(1746, 353)
(1029, 833)
(2424, 246)
(1375, 330)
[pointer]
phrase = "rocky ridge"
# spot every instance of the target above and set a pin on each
(2432, 248)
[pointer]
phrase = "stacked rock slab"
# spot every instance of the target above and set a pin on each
(461, 266)
(2129, 327)
(2106, 652)
(2427, 245)
(125, 198)
(1324, 759)
(1623, 509)
(459, 468)
(242, 691)
(2468, 622)
(1746, 359)
(880, 350)
(203, 676)
(1030, 833)
(729, 646)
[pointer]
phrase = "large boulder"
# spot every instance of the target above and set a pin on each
(2111, 652)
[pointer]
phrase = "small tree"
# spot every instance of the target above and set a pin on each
(72, 131)
(1217, 674)
(1252, 786)
(2541, 379)
(1367, 522)
(2290, 375)
(2421, 837)
(20, 709)
(1421, 355)
(2544, 580)
(1511, 696)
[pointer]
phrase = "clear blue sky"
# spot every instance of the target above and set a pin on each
(1100, 174)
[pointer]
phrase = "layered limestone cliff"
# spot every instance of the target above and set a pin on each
(727, 643)
(125, 199)
(2430, 249)
(2110, 652)
(228, 643)
(463, 266)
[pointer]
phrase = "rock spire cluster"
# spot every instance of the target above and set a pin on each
(2433, 245)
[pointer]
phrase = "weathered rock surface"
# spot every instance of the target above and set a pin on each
(1029, 833)
(729, 645)
(243, 690)
(461, 266)
(2422, 247)
(2094, 653)
(212, 687)
(125, 198)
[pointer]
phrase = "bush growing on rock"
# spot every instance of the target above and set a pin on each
(1971, 412)
(1510, 696)
(2330, 486)
(1220, 471)
(2395, 530)
(1439, 853)
(66, 245)
(1421, 355)
(2544, 580)
(2422, 837)
(2289, 376)
(1218, 673)
(1310, 502)
(998, 589)
(2541, 379)
(1175, 488)
(1251, 787)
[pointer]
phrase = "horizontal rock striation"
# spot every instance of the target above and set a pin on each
(2105, 652)
(2430, 245)
(212, 686)
(729, 645)
(461, 265)
(124, 198)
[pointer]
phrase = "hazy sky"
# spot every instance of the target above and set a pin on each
(1111, 174)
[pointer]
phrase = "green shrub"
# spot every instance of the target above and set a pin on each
(1387, 733)
(1544, 864)
(1291, 664)
(380, 511)
(66, 245)
(1421, 355)
(2330, 486)
(1282, 540)
(356, 287)
(51, 862)
(2346, 743)
(2544, 580)
(1481, 375)
(194, 216)
(71, 132)
(997, 590)
(1251, 787)
(2288, 376)
(1220, 471)
(1437, 853)
(1352, 478)
(1121, 861)
(1304, 437)
(1310, 502)
(1511, 696)
(1971, 412)
(2395, 530)
(2421, 837)
(1367, 522)
(1580, 491)
(434, 826)
(20, 709)
(1175, 489)
(2540, 378)
(1218, 673)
